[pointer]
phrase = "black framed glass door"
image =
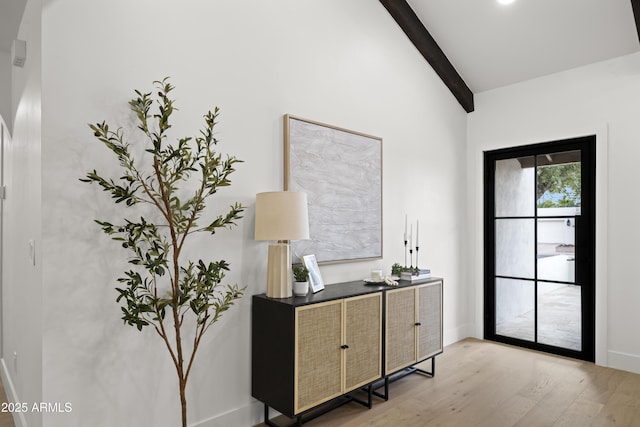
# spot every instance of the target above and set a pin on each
(540, 246)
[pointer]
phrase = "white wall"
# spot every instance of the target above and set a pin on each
(5, 87)
(599, 99)
(343, 63)
(22, 217)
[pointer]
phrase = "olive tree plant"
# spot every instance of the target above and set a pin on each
(162, 289)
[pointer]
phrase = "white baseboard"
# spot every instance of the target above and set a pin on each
(624, 361)
(456, 334)
(248, 415)
(12, 396)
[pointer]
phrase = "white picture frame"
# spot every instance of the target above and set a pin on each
(315, 279)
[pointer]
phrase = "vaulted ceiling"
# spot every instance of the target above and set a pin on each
(484, 44)
(479, 45)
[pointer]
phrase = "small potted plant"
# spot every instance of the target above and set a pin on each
(301, 280)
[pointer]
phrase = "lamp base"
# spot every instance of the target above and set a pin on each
(279, 271)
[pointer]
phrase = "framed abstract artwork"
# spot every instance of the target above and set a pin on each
(341, 172)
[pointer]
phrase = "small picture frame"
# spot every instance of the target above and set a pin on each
(315, 279)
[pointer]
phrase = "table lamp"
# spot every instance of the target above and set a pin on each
(281, 216)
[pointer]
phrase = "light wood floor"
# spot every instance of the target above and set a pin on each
(484, 384)
(6, 420)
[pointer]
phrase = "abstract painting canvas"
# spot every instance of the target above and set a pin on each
(341, 172)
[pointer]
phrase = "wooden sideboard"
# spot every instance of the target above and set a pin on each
(317, 348)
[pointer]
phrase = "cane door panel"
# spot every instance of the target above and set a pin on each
(363, 337)
(429, 320)
(318, 355)
(400, 329)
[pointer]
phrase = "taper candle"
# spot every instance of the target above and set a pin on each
(417, 233)
(411, 237)
(405, 227)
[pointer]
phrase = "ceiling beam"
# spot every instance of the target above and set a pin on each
(427, 46)
(635, 5)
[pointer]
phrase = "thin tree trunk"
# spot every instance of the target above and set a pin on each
(183, 401)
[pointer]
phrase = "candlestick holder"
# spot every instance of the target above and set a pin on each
(405, 254)
(417, 248)
(411, 257)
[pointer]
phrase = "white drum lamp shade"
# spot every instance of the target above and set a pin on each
(281, 216)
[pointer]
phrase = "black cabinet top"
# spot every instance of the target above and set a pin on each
(343, 290)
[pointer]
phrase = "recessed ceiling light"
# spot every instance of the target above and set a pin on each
(506, 1)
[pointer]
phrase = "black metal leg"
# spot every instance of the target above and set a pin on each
(313, 413)
(403, 373)
(386, 388)
(431, 373)
(370, 389)
(267, 421)
(384, 395)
